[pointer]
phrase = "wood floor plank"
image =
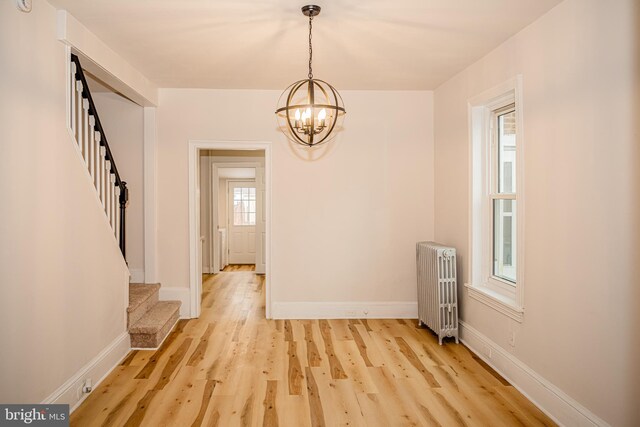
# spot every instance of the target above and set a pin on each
(427, 405)
(115, 396)
(374, 411)
(204, 405)
(355, 368)
(533, 414)
(293, 411)
(233, 367)
(313, 354)
(135, 419)
(340, 329)
(288, 331)
(415, 362)
(178, 404)
(127, 361)
(398, 408)
(315, 403)
(337, 372)
(392, 359)
(198, 355)
(362, 347)
(270, 418)
(149, 367)
(172, 364)
(295, 377)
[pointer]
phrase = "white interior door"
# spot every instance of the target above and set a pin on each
(242, 222)
(261, 222)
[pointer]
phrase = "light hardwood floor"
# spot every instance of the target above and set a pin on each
(239, 267)
(232, 367)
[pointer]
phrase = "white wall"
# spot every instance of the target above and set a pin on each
(580, 68)
(344, 225)
(122, 121)
(62, 277)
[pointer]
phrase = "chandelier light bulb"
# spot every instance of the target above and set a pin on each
(297, 114)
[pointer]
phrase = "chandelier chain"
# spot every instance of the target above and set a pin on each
(310, 47)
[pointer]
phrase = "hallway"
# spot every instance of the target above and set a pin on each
(233, 367)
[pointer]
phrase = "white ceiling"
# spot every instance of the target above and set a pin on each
(262, 44)
(237, 173)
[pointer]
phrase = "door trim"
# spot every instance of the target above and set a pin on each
(195, 282)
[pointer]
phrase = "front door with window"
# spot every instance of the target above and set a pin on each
(242, 222)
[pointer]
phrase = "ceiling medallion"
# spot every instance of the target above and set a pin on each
(310, 111)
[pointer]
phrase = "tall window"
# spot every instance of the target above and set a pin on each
(496, 263)
(503, 193)
(244, 206)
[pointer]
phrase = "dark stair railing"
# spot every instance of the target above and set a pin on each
(122, 185)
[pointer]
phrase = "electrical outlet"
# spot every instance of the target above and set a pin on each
(366, 313)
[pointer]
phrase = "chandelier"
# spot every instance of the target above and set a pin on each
(310, 111)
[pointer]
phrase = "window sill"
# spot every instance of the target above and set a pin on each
(497, 301)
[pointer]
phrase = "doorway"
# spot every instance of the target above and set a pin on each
(229, 212)
(241, 222)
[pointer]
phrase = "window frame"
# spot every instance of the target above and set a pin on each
(483, 285)
(498, 283)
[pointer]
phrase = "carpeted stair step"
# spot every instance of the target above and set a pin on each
(155, 325)
(141, 298)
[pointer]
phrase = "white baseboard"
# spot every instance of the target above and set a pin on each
(97, 369)
(136, 275)
(550, 399)
(345, 310)
(178, 294)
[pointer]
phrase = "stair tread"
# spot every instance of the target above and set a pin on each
(139, 293)
(154, 319)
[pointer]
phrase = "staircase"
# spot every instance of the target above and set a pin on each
(92, 143)
(149, 320)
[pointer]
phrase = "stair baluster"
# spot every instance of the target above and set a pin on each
(116, 211)
(73, 99)
(92, 142)
(96, 162)
(103, 177)
(79, 89)
(107, 181)
(112, 195)
(85, 131)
